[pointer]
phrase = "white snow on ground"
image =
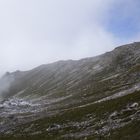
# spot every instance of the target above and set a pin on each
(116, 95)
(97, 67)
(20, 92)
(120, 94)
(113, 76)
(16, 105)
(45, 100)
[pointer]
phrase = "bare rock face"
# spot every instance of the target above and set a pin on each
(91, 98)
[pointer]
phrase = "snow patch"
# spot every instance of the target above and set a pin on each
(120, 94)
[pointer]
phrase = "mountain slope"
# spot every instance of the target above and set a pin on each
(92, 98)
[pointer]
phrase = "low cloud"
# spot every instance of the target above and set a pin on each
(5, 83)
(34, 32)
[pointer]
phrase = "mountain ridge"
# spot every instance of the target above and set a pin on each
(120, 48)
(77, 99)
(104, 61)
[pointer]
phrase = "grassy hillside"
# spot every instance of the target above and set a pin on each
(93, 98)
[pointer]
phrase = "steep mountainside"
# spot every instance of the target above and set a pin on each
(91, 98)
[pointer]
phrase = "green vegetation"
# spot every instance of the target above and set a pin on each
(94, 113)
(68, 91)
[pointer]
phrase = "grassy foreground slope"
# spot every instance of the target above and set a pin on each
(113, 119)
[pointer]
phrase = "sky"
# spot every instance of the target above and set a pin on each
(35, 32)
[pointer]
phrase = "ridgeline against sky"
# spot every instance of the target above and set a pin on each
(33, 32)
